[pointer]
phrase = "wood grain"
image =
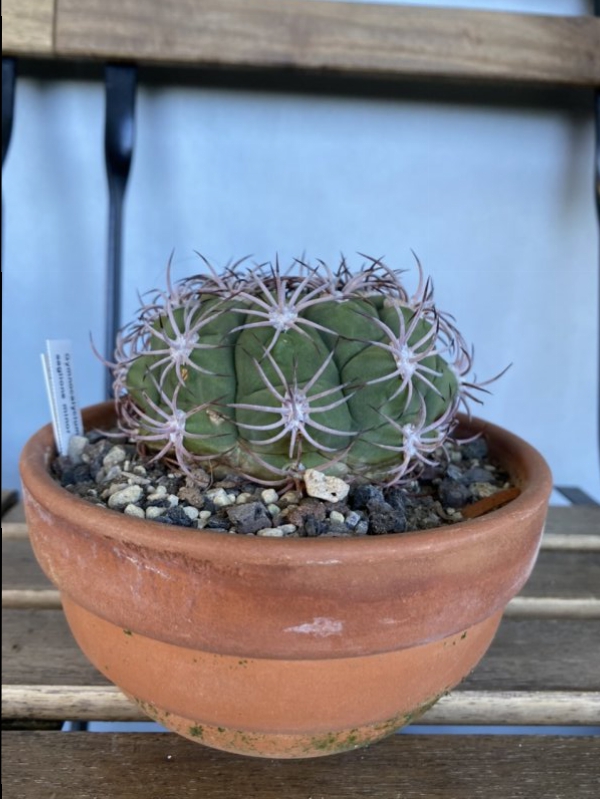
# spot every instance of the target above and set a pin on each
(548, 655)
(27, 26)
(48, 765)
(379, 40)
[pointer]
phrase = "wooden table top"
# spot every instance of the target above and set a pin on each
(543, 668)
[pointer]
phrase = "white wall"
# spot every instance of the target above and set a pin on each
(496, 201)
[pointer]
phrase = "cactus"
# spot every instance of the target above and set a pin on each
(269, 372)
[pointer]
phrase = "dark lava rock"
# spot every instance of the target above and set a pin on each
(477, 474)
(216, 523)
(383, 518)
(361, 495)
(314, 527)
(175, 515)
(475, 450)
(249, 517)
(453, 494)
(396, 497)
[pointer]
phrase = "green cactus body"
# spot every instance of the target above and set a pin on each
(269, 374)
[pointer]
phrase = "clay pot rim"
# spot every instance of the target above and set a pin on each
(527, 467)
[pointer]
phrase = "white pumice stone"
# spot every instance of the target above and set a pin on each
(269, 496)
(120, 499)
(271, 532)
(160, 492)
(325, 486)
(288, 529)
(243, 498)
(219, 497)
(114, 456)
(113, 473)
(135, 510)
(76, 446)
(290, 498)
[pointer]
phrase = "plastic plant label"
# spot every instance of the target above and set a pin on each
(57, 363)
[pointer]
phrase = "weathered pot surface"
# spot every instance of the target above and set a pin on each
(275, 647)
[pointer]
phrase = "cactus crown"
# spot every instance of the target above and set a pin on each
(268, 372)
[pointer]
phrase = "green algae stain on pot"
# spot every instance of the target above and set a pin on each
(196, 731)
(338, 742)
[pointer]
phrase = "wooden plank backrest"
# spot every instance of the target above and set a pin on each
(378, 40)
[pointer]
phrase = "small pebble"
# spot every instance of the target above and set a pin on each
(337, 517)
(134, 510)
(77, 444)
(191, 512)
(173, 500)
(271, 532)
(288, 529)
(113, 473)
(352, 519)
(159, 493)
(481, 490)
(290, 498)
(113, 489)
(114, 456)
(120, 499)
(269, 496)
(152, 512)
(219, 497)
(273, 509)
(243, 498)
(324, 486)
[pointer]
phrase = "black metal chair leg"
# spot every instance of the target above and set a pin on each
(9, 74)
(121, 81)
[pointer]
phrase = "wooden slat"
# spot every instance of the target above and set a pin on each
(348, 38)
(107, 703)
(44, 765)
(38, 649)
(565, 575)
(27, 599)
(578, 520)
(27, 26)
(20, 569)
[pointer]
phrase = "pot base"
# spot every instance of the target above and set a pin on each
(282, 745)
(268, 707)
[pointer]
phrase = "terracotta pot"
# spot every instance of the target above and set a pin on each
(283, 647)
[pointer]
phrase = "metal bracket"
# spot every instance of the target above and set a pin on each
(9, 74)
(119, 135)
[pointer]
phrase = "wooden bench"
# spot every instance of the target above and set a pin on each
(542, 669)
